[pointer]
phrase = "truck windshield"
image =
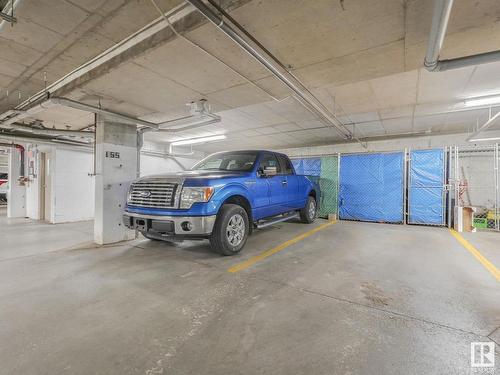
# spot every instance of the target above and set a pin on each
(240, 161)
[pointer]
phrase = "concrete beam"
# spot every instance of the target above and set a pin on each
(185, 24)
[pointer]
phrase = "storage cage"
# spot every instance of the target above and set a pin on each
(409, 186)
(474, 182)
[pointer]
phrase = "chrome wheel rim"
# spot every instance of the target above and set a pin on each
(235, 230)
(312, 210)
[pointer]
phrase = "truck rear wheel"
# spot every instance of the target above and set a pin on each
(308, 213)
(230, 231)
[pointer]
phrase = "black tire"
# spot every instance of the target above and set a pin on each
(306, 215)
(220, 238)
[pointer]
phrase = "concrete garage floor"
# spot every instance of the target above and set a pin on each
(353, 298)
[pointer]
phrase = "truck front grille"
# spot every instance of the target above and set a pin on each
(153, 193)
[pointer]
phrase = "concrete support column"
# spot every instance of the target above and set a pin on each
(116, 164)
(16, 194)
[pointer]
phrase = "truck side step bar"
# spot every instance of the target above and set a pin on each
(279, 219)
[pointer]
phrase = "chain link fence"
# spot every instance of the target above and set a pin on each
(474, 178)
(372, 187)
(324, 171)
(426, 188)
(466, 176)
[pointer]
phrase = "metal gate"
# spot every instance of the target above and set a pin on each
(372, 187)
(427, 187)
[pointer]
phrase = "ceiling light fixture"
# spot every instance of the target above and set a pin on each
(483, 139)
(476, 102)
(193, 141)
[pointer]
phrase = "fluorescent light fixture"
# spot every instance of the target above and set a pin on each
(476, 102)
(483, 139)
(193, 141)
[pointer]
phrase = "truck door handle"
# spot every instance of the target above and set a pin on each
(284, 182)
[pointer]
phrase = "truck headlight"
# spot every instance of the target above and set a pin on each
(129, 193)
(192, 195)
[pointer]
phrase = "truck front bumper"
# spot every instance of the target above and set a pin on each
(170, 225)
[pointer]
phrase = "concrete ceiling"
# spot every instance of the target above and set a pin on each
(361, 58)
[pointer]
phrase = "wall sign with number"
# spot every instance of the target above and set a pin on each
(113, 154)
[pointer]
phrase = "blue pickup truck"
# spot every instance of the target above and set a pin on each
(222, 198)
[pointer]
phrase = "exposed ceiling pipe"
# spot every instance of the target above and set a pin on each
(19, 115)
(7, 13)
(200, 116)
(90, 108)
(263, 56)
(55, 132)
(440, 18)
(40, 139)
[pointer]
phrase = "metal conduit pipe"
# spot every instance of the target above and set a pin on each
(440, 18)
(21, 150)
(55, 132)
(90, 108)
(7, 15)
(462, 62)
(19, 115)
(41, 139)
(304, 95)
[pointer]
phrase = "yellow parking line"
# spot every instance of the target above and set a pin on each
(243, 265)
(485, 262)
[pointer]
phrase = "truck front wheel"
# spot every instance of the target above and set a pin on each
(230, 231)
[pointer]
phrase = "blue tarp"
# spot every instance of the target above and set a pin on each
(307, 166)
(425, 190)
(371, 187)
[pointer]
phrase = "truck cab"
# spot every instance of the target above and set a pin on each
(222, 199)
